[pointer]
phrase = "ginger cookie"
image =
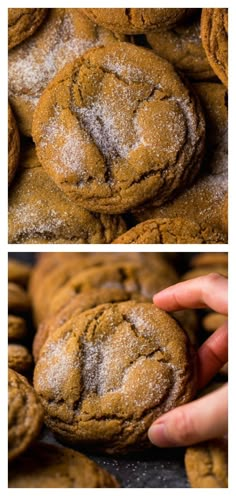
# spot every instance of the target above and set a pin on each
(182, 46)
(135, 21)
(18, 272)
(19, 359)
(22, 23)
(214, 34)
(65, 34)
(207, 464)
(202, 259)
(203, 201)
(78, 304)
(104, 129)
(212, 321)
(13, 145)
(43, 291)
(130, 277)
(18, 299)
(204, 271)
(90, 378)
(25, 414)
(39, 212)
(48, 465)
(170, 231)
(17, 330)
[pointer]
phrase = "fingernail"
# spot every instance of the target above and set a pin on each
(157, 435)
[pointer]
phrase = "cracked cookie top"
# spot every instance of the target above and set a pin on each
(214, 34)
(117, 127)
(207, 464)
(65, 35)
(25, 414)
(135, 21)
(104, 376)
(22, 23)
(43, 214)
(13, 145)
(169, 231)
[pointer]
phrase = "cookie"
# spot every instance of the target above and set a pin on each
(13, 145)
(170, 231)
(214, 34)
(18, 272)
(78, 304)
(19, 359)
(204, 271)
(90, 378)
(44, 290)
(212, 321)
(203, 201)
(104, 129)
(65, 34)
(135, 21)
(47, 465)
(207, 464)
(17, 330)
(225, 214)
(25, 414)
(22, 23)
(202, 259)
(39, 212)
(182, 46)
(18, 299)
(130, 277)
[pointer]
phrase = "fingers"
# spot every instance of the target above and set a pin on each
(212, 355)
(202, 419)
(206, 291)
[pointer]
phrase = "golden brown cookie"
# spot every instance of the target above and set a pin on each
(207, 464)
(65, 34)
(203, 201)
(104, 129)
(22, 23)
(209, 259)
(214, 34)
(182, 46)
(169, 231)
(18, 272)
(18, 299)
(17, 330)
(25, 414)
(225, 214)
(204, 271)
(78, 304)
(19, 359)
(43, 289)
(48, 465)
(134, 21)
(212, 321)
(130, 277)
(90, 375)
(13, 145)
(39, 212)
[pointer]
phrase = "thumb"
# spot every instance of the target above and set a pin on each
(202, 419)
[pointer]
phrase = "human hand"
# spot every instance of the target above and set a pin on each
(207, 417)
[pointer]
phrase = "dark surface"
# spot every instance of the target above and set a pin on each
(157, 468)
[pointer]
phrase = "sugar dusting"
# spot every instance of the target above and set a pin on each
(33, 65)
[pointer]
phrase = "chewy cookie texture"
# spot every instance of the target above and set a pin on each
(106, 364)
(123, 133)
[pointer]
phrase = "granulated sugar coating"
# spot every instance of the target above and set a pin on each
(139, 129)
(65, 34)
(123, 365)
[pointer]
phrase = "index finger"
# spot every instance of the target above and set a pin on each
(209, 291)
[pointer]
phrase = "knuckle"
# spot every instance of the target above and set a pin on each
(184, 427)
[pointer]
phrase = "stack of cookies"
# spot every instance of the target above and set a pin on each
(96, 332)
(123, 121)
